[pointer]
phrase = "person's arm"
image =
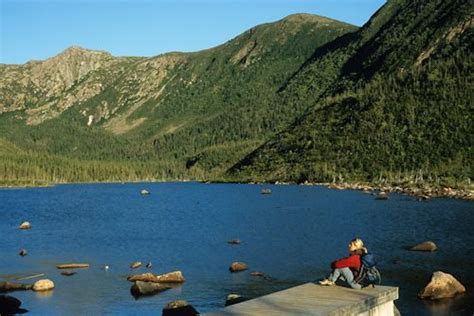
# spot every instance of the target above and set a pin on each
(348, 262)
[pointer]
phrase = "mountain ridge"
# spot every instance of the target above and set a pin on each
(157, 108)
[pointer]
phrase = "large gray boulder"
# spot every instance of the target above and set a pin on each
(140, 288)
(425, 246)
(442, 285)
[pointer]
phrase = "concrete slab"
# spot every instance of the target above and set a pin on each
(314, 299)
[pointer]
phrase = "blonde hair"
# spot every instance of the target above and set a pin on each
(357, 244)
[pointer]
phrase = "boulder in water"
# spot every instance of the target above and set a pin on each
(23, 252)
(25, 225)
(170, 277)
(382, 196)
(425, 246)
(10, 305)
(144, 192)
(73, 266)
(179, 308)
(442, 285)
(234, 241)
(140, 288)
(238, 266)
(266, 191)
(135, 265)
(43, 285)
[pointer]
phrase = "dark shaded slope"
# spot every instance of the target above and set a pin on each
(402, 105)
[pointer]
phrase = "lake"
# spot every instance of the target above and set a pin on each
(291, 235)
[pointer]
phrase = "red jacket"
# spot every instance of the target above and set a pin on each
(352, 262)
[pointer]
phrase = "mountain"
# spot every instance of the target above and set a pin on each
(176, 115)
(396, 105)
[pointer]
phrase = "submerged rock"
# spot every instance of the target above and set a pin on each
(266, 191)
(149, 265)
(425, 246)
(25, 225)
(140, 288)
(10, 286)
(257, 273)
(68, 273)
(135, 265)
(179, 308)
(10, 305)
(238, 266)
(442, 285)
(30, 276)
(170, 277)
(43, 285)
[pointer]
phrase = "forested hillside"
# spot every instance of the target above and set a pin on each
(302, 99)
(185, 115)
(400, 108)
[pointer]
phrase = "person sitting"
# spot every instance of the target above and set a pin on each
(348, 267)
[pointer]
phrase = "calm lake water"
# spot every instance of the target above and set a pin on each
(292, 235)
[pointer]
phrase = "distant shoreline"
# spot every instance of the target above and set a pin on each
(425, 193)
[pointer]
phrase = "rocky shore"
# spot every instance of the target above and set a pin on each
(423, 193)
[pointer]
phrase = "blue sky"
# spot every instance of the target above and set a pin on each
(39, 29)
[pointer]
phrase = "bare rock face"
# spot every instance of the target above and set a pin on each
(140, 288)
(25, 225)
(238, 266)
(442, 285)
(179, 308)
(170, 277)
(425, 246)
(43, 285)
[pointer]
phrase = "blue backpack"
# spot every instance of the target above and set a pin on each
(368, 273)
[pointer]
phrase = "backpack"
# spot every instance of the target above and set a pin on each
(368, 273)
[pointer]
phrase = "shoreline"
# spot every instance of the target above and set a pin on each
(424, 193)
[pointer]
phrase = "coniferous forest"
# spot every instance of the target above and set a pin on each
(302, 99)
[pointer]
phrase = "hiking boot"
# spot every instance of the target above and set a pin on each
(326, 282)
